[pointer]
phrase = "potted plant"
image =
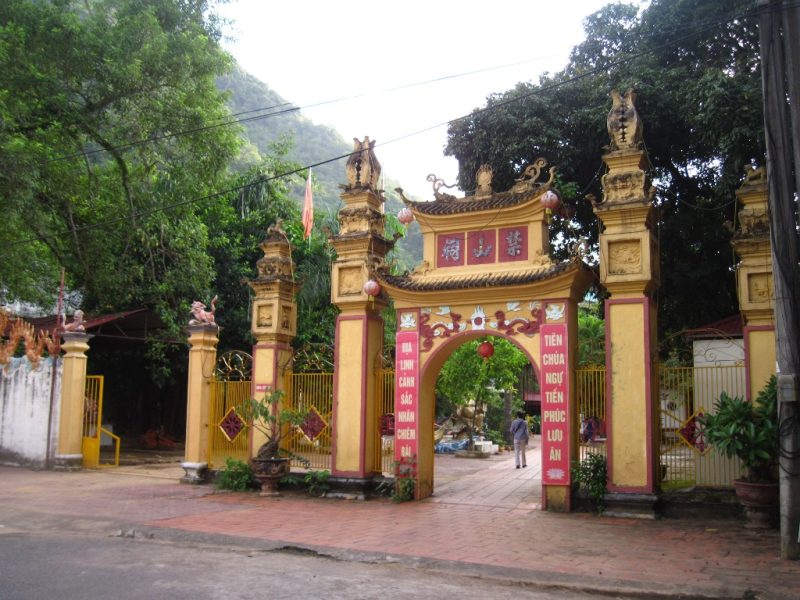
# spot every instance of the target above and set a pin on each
(271, 462)
(749, 432)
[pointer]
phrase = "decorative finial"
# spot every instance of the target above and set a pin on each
(362, 168)
(483, 181)
(438, 184)
(624, 125)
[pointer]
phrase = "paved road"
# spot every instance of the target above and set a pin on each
(72, 566)
(484, 522)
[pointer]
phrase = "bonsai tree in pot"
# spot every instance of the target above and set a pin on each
(272, 461)
(749, 432)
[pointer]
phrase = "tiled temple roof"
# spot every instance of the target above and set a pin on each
(420, 283)
(473, 203)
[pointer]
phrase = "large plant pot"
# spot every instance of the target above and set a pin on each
(269, 472)
(760, 501)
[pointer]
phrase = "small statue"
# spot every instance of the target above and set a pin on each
(624, 125)
(755, 175)
(201, 316)
(77, 322)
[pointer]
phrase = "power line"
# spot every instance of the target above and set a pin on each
(290, 109)
(698, 27)
(486, 109)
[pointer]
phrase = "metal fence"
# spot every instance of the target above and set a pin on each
(590, 417)
(311, 393)
(384, 402)
(684, 393)
(227, 397)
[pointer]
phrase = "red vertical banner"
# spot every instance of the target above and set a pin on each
(554, 384)
(406, 413)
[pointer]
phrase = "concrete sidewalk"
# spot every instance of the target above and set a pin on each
(460, 532)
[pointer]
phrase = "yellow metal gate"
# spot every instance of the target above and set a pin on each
(93, 424)
(384, 400)
(228, 435)
(225, 442)
(311, 393)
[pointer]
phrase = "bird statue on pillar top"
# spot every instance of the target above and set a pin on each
(624, 125)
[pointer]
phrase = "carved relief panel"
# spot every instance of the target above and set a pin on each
(264, 320)
(624, 257)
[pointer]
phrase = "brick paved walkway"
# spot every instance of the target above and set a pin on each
(486, 523)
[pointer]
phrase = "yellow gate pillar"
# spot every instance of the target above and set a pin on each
(274, 318)
(629, 262)
(360, 246)
(203, 340)
(754, 280)
(69, 455)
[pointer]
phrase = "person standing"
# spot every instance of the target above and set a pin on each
(519, 429)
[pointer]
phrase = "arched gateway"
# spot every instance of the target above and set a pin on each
(486, 270)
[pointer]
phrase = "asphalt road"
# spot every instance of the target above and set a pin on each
(76, 566)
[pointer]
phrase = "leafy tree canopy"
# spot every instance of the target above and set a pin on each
(82, 84)
(694, 66)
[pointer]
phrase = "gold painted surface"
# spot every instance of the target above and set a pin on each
(628, 396)
(73, 383)
(350, 281)
(557, 497)
(762, 359)
(349, 375)
(202, 361)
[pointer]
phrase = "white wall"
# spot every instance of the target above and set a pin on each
(24, 408)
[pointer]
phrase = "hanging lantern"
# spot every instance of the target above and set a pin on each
(405, 216)
(550, 201)
(372, 288)
(485, 350)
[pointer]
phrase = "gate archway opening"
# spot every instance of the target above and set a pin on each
(463, 476)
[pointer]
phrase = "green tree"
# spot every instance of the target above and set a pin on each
(466, 377)
(82, 84)
(694, 65)
(591, 339)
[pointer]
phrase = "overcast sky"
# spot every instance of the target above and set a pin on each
(312, 51)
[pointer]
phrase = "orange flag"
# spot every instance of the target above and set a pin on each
(308, 209)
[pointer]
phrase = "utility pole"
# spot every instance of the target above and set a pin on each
(776, 20)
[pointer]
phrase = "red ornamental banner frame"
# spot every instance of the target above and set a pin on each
(554, 384)
(406, 417)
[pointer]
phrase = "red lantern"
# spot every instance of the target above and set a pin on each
(405, 216)
(550, 200)
(372, 288)
(485, 350)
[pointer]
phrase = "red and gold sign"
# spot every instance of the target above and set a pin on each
(513, 244)
(450, 250)
(406, 422)
(554, 385)
(482, 247)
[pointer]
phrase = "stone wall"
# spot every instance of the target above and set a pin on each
(25, 405)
